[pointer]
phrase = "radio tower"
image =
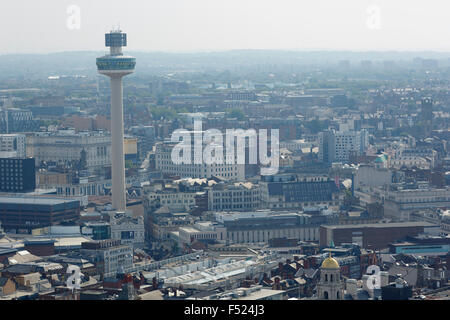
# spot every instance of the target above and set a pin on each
(115, 65)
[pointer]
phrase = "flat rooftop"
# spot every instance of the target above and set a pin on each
(34, 200)
(190, 229)
(7, 250)
(414, 244)
(382, 225)
(261, 294)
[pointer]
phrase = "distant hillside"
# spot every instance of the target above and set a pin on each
(41, 65)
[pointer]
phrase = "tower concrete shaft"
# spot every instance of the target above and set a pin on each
(118, 160)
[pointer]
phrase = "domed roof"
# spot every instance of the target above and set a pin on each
(330, 263)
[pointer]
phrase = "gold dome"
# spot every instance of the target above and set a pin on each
(330, 263)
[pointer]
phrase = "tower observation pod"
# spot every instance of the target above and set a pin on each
(115, 65)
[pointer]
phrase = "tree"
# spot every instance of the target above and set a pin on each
(175, 247)
(82, 164)
(315, 125)
(235, 113)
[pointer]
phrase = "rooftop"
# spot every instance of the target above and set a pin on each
(34, 200)
(381, 225)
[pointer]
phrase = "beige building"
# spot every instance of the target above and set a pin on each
(172, 199)
(202, 231)
(165, 164)
(65, 147)
(237, 196)
(331, 284)
(12, 145)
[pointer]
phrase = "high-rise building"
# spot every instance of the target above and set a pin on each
(116, 65)
(326, 146)
(6, 105)
(339, 146)
(427, 116)
(15, 119)
(17, 175)
(12, 145)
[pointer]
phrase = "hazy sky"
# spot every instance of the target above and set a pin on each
(198, 25)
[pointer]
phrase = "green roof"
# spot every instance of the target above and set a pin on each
(381, 158)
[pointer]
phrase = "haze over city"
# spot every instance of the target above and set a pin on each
(203, 25)
(210, 150)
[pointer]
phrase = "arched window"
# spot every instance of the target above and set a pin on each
(331, 278)
(337, 295)
(325, 295)
(326, 278)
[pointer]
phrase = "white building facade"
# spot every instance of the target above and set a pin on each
(165, 164)
(128, 230)
(65, 147)
(339, 146)
(235, 197)
(12, 145)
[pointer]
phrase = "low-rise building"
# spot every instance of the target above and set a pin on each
(165, 164)
(371, 176)
(400, 203)
(159, 225)
(253, 293)
(24, 213)
(373, 236)
(109, 256)
(237, 196)
(65, 147)
(128, 230)
(263, 225)
(202, 231)
(172, 198)
(292, 191)
(7, 286)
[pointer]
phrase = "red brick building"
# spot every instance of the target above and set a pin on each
(373, 236)
(40, 247)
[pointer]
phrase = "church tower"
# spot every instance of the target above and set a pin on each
(331, 285)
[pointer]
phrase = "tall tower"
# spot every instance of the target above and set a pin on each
(427, 116)
(116, 65)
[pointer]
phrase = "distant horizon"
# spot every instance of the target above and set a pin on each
(201, 51)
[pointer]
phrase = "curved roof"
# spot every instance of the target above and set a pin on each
(330, 263)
